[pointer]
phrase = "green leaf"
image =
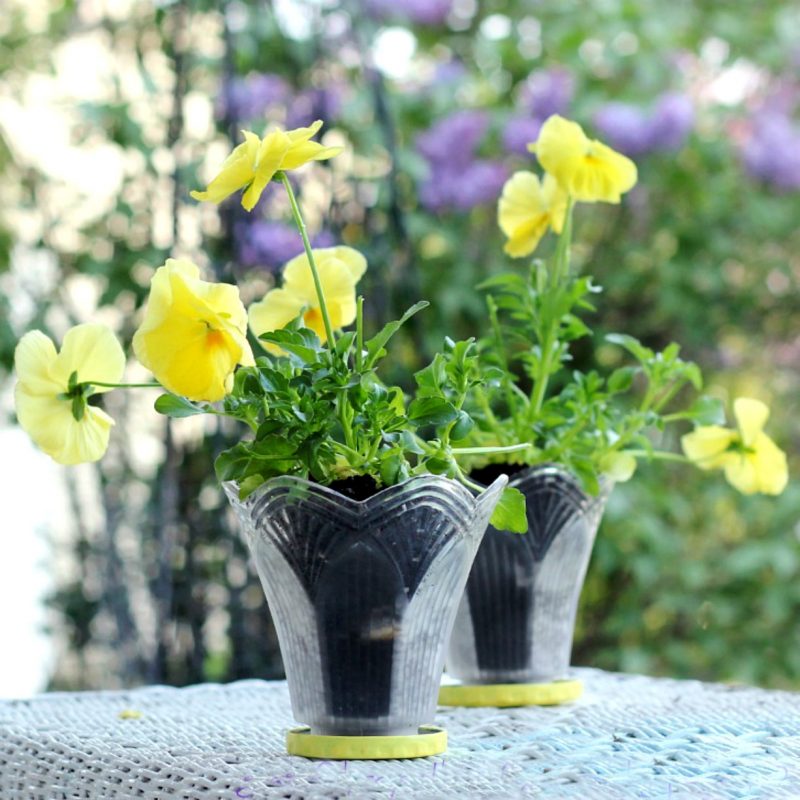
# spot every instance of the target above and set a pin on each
(78, 407)
(376, 344)
(291, 343)
(507, 282)
(437, 466)
(509, 513)
(233, 463)
(695, 376)
(431, 411)
(621, 379)
(249, 485)
(394, 469)
(171, 405)
(430, 379)
(632, 345)
(462, 428)
(707, 411)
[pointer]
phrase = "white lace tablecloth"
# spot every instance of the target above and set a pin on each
(629, 736)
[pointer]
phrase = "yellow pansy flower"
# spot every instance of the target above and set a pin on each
(586, 169)
(751, 460)
(527, 208)
(194, 333)
(253, 164)
(49, 387)
(340, 269)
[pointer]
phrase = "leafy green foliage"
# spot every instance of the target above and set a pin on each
(578, 419)
(322, 413)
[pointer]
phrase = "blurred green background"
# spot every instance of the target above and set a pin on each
(111, 111)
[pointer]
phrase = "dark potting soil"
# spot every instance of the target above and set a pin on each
(357, 487)
(491, 472)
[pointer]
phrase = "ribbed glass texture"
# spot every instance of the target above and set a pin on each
(364, 594)
(515, 622)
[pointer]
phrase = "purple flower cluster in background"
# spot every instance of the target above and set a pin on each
(454, 137)
(548, 92)
(449, 72)
(545, 93)
(313, 104)
(419, 12)
(268, 244)
(637, 132)
(772, 153)
(251, 98)
(458, 179)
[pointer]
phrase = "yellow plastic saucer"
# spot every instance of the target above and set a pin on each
(430, 741)
(506, 695)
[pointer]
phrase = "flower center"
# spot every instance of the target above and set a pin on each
(215, 339)
(313, 318)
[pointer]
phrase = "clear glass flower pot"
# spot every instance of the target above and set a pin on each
(516, 620)
(364, 593)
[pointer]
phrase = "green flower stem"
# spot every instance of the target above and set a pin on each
(359, 333)
(466, 481)
(558, 276)
(477, 451)
(122, 385)
(483, 400)
(301, 226)
(345, 413)
(497, 332)
(561, 266)
(658, 455)
(668, 395)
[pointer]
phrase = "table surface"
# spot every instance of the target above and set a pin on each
(628, 736)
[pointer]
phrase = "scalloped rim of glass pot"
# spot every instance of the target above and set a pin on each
(232, 488)
(554, 469)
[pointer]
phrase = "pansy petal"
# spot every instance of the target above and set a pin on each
(278, 308)
(237, 171)
(354, 261)
(555, 200)
(85, 440)
(751, 416)
(193, 333)
(334, 275)
(299, 135)
(588, 170)
(740, 472)
(770, 464)
(34, 359)
(520, 201)
(42, 417)
(707, 446)
(94, 353)
(308, 151)
(270, 157)
(524, 239)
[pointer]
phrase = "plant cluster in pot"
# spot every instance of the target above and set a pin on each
(512, 639)
(360, 520)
